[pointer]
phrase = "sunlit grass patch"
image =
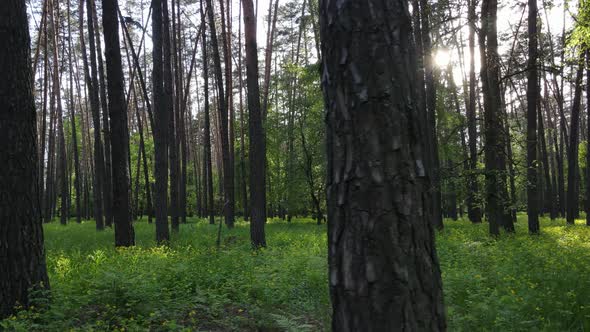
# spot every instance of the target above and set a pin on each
(511, 283)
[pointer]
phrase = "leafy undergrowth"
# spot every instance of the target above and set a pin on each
(515, 283)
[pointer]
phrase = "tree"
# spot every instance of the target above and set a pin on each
(228, 174)
(160, 128)
(124, 233)
(256, 131)
(474, 211)
(572, 156)
(383, 267)
(532, 95)
(208, 172)
(22, 255)
(497, 211)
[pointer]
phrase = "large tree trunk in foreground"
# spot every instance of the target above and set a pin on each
(124, 233)
(384, 271)
(22, 256)
(256, 131)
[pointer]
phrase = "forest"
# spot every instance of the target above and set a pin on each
(294, 165)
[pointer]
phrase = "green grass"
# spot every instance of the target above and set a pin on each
(515, 283)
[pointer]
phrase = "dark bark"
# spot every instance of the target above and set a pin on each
(497, 210)
(77, 175)
(268, 54)
(124, 233)
(572, 157)
(161, 114)
(92, 86)
(384, 271)
(60, 129)
(22, 256)
(169, 105)
(434, 175)
(532, 96)
(106, 128)
(207, 165)
(256, 131)
(228, 176)
(242, 125)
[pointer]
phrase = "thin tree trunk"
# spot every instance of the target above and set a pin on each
(256, 131)
(572, 169)
(124, 232)
(532, 119)
(228, 178)
(92, 85)
(161, 114)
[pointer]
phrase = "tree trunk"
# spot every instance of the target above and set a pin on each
(572, 169)
(532, 118)
(161, 114)
(497, 210)
(228, 176)
(473, 206)
(425, 12)
(242, 125)
(256, 131)
(124, 233)
(22, 256)
(60, 129)
(106, 128)
(384, 271)
(207, 165)
(92, 84)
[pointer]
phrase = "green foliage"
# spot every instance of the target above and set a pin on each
(580, 36)
(514, 283)
(188, 286)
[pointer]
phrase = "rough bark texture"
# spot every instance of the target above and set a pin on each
(384, 272)
(532, 95)
(256, 131)
(160, 129)
(124, 233)
(22, 257)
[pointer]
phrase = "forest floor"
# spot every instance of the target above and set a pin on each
(517, 282)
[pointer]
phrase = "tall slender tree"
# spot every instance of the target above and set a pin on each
(572, 157)
(532, 96)
(256, 131)
(124, 233)
(207, 167)
(161, 114)
(228, 177)
(474, 210)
